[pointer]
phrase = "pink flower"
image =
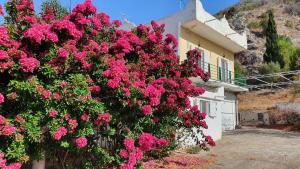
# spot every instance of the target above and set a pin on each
(81, 142)
(151, 91)
(123, 45)
(14, 166)
(87, 8)
(204, 124)
(2, 160)
(171, 39)
(162, 142)
(48, 14)
(73, 124)
(124, 154)
(95, 89)
(3, 55)
(63, 53)
(2, 120)
(103, 118)
(152, 38)
(4, 37)
(67, 116)
(181, 94)
(202, 115)
(39, 32)
(30, 19)
(1, 10)
(46, 94)
(147, 109)
(118, 23)
(104, 47)
(129, 143)
(63, 84)
(188, 123)
(62, 131)
(147, 141)
(154, 101)
(8, 130)
(29, 64)
(210, 141)
(105, 19)
(85, 117)
(53, 113)
(133, 156)
(155, 120)
(1, 98)
(57, 96)
(67, 25)
(113, 83)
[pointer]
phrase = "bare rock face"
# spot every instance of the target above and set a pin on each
(238, 23)
(252, 58)
(247, 58)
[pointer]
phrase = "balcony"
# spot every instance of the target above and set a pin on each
(222, 77)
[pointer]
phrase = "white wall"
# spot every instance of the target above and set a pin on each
(223, 116)
(214, 120)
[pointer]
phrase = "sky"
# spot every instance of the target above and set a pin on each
(142, 11)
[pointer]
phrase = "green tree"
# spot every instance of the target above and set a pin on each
(240, 73)
(272, 53)
(287, 51)
(55, 8)
(295, 60)
(238, 68)
(270, 68)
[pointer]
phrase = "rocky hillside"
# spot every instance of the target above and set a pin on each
(249, 16)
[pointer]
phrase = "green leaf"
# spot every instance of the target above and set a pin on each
(65, 144)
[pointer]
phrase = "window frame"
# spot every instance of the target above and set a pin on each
(206, 104)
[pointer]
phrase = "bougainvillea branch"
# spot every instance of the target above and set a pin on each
(79, 84)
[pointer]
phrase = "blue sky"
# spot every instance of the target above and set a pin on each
(142, 11)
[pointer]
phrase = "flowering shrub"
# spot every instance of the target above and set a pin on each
(69, 84)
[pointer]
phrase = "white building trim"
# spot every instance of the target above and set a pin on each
(197, 20)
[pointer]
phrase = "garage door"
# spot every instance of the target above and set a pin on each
(228, 115)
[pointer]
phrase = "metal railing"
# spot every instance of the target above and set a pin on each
(223, 75)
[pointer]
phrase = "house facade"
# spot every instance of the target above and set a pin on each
(196, 28)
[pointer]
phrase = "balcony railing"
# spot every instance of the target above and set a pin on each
(223, 75)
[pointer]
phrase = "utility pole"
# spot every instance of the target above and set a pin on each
(70, 7)
(180, 4)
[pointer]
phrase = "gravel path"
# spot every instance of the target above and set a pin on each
(252, 148)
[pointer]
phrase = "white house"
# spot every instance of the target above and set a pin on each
(196, 28)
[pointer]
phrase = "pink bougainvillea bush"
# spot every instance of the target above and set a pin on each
(82, 93)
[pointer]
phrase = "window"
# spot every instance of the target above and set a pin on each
(204, 106)
(201, 62)
(208, 107)
(260, 117)
(224, 70)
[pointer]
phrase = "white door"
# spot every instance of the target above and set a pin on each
(228, 115)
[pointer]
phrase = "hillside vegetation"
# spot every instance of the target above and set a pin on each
(251, 16)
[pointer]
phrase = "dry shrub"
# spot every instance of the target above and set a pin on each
(289, 117)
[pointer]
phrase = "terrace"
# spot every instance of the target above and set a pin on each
(223, 77)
